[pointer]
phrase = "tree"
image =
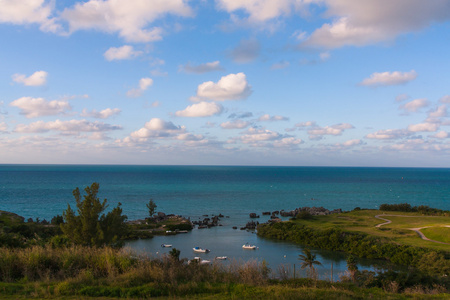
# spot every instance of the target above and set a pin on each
(352, 267)
(90, 227)
(309, 260)
(175, 254)
(151, 205)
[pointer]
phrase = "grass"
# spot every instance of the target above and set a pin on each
(365, 221)
(441, 234)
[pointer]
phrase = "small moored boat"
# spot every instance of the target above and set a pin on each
(221, 257)
(166, 245)
(249, 247)
(200, 250)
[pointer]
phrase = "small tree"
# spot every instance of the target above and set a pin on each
(151, 205)
(90, 227)
(175, 254)
(352, 267)
(309, 260)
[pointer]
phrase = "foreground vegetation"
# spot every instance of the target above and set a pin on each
(77, 271)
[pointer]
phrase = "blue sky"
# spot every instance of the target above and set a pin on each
(225, 82)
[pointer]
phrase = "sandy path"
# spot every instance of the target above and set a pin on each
(417, 230)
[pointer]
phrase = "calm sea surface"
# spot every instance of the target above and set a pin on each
(45, 190)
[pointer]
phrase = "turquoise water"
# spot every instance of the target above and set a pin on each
(45, 190)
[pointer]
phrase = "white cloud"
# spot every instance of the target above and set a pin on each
(287, 142)
(389, 78)
(121, 53)
(103, 114)
(440, 112)
(36, 107)
(72, 126)
(235, 124)
(430, 127)
(38, 78)
(441, 135)
(445, 99)
(402, 97)
(388, 134)
(202, 109)
(306, 124)
(360, 23)
(351, 143)
(229, 87)
(269, 118)
(144, 84)
(257, 135)
(329, 130)
(415, 105)
(157, 128)
(131, 19)
(247, 51)
(202, 68)
(29, 12)
(259, 10)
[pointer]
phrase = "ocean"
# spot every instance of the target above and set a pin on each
(45, 191)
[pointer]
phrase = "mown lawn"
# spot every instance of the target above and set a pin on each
(441, 234)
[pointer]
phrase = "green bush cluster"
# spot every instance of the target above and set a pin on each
(423, 209)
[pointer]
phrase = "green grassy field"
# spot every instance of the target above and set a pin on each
(398, 230)
(441, 234)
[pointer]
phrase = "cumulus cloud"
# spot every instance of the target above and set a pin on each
(72, 126)
(350, 143)
(202, 109)
(157, 128)
(306, 124)
(202, 68)
(121, 53)
(287, 142)
(144, 84)
(235, 124)
(430, 127)
(269, 118)
(103, 114)
(229, 87)
(414, 105)
(389, 78)
(329, 130)
(247, 51)
(258, 10)
(29, 12)
(388, 134)
(131, 19)
(441, 111)
(360, 23)
(259, 134)
(38, 78)
(37, 107)
(441, 135)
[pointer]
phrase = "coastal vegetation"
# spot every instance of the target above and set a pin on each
(59, 260)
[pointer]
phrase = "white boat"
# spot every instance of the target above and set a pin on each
(201, 261)
(200, 250)
(221, 257)
(249, 247)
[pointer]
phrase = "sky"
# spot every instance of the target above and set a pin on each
(225, 82)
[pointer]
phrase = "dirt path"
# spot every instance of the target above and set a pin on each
(417, 230)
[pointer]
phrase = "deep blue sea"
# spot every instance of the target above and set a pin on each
(45, 191)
